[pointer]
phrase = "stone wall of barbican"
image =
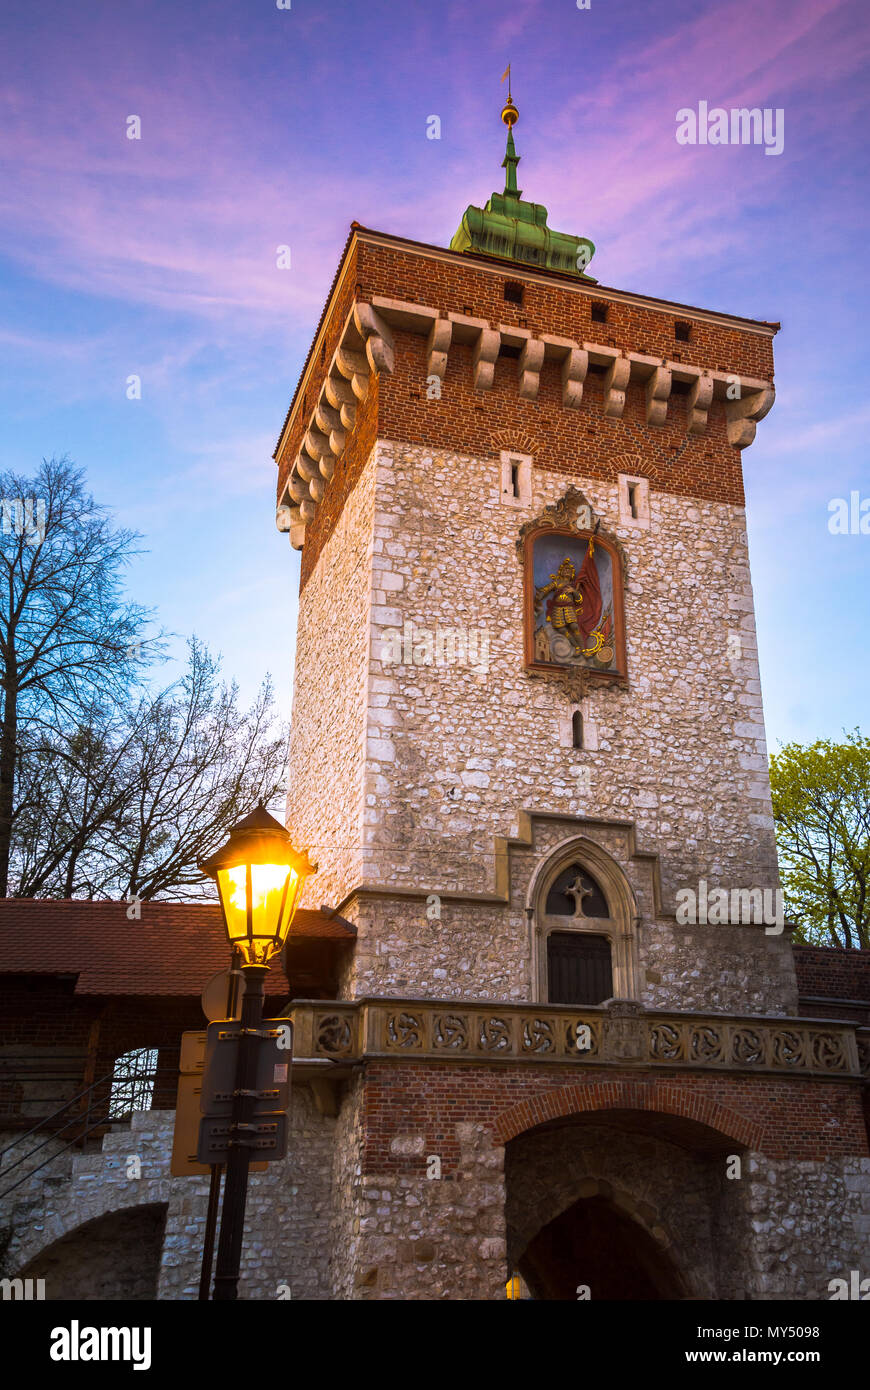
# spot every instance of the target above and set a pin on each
(24, 1212)
(398, 1234)
(288, 1213)
(805, 1223)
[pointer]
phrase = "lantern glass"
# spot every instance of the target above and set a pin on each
(258, 902)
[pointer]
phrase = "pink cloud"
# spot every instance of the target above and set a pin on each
(190, 217)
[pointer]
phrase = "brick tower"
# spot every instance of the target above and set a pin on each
(528, 755)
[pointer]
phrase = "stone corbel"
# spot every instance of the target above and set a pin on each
(485, 353)
(328, 419)
(297, 488)
(354, 366)
(574, 369)
(698, 403)
(437, 348)
(340, 395)
(284, 518)
(307, 467)
(615, 384)
(575, 365)
(317, 445)
(317, 487)
(658, 389)
(531, 360)
(743, 415)
(379, 346)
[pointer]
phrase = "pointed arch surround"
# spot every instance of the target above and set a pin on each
(619, 925)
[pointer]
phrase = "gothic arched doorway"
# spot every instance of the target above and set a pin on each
(595, 1246)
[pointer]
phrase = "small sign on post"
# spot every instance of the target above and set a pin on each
(188, 1110)
(266, 1134)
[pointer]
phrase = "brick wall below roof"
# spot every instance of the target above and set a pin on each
(578, 443)
(551, 306)
(568, 441)
(823, 970)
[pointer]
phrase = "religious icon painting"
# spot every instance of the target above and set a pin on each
(573, 602)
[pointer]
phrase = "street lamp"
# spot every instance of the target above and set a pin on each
(259, 877)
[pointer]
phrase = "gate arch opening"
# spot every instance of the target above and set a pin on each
(593, 1245)
(114, 1256)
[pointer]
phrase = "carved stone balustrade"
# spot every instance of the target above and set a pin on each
(620, 1033)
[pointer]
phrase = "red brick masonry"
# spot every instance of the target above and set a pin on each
(834, 974)
(782, 1117)
(465, 421)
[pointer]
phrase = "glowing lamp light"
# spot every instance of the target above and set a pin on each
(259, 877)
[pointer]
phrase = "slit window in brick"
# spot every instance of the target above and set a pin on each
(682, 331)
(599, 313)
(513, 292)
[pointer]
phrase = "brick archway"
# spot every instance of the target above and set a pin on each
(664, 1097)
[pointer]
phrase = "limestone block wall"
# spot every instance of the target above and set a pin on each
(407, 778)
(349, 1268)
(327, 744)
(287, 1220)
(24, 1211)
(485, 951)
(455, 750)
(787, 1228)
(402, 1234)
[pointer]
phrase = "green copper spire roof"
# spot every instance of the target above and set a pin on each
(510, 162)
(516, 230)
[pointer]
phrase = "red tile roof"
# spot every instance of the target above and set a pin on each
(172, 951)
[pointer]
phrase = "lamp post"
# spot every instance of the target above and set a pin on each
(259, 877)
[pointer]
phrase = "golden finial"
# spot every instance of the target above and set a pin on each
(510, 115)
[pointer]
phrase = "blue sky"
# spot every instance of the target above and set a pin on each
(264, 127)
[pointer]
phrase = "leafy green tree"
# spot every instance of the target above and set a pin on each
(821, 807)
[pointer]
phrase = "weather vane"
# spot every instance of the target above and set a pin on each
(510, 115)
